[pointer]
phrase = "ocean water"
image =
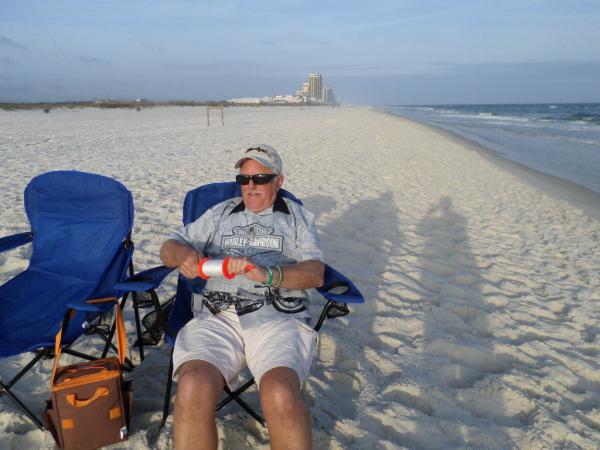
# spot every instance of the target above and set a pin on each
(558, 139)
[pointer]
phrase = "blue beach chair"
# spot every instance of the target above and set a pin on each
(81, 248)
(337, 289)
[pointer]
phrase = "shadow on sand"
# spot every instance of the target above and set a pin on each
(358, 243)
(456, 341)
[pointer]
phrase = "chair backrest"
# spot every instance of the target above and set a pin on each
(196, 203)
(81, 224)
(78, 221)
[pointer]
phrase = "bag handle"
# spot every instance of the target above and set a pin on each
(121, 338)
(74, 401)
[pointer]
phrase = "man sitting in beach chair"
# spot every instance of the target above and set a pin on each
(252, 315)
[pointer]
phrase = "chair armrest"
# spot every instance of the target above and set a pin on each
(341, 294)
(14, 241)
(146, 280)
(90, 306)
(339, 288)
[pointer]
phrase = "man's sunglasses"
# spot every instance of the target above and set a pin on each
(259, 178)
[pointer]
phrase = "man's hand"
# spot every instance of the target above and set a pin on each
(247, 268)
(188, 266)
(184, 257)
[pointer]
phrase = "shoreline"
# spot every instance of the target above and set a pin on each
(575, 194)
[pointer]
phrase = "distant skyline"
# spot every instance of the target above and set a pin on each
(377, 52)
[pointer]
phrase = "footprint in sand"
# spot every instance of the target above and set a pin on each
(477, 358)
(460, 376)
(589, 333)
(344, 384)
(410, 396)
(590, 418)
(465, 279)
(501, 404)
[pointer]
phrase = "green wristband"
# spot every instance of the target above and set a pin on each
(280, 279)
(269, 281)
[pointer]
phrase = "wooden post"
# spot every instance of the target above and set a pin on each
(208, 108)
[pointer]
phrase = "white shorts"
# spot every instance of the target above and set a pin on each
(220, 340)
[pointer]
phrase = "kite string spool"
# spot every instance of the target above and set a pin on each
(208, 268)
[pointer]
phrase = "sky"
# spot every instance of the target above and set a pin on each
(376, 52)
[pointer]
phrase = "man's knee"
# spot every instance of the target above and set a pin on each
(280, 390)
(199, 381)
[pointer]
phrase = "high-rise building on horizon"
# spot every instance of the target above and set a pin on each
(328, 94)
(315, 86)
(315, 91)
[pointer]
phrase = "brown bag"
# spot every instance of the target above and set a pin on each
(90, 405)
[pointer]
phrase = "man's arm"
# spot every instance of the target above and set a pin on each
(302, 275)
(176, 254)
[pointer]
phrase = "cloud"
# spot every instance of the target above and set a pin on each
(7, 60)
(151, 47)
(235, 67)
(92, 61)
(6, 42)
(542, 68)
(351, 67)
(289, 68)
(54, 86)
(215, 66)
(304, 39)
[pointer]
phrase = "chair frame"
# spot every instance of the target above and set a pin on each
(91, 327)
(335, 301)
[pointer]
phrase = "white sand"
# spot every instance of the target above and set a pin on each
(481, 326)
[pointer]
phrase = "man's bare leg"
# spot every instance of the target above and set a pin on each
(200, 385)
(285, 412)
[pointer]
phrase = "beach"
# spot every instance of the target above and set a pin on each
(481, 323)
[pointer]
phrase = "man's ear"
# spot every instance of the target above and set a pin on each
(280, 181)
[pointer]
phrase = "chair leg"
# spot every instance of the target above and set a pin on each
(234, 394)
(160, 314)
(137, 315)
(4, 389)
(330, 304)
(138, 327)
(168, 392)
(41, 354)
(69, 351)
(111, 334)
(260, 419)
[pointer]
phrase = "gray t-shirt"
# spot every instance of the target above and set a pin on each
(281, 235)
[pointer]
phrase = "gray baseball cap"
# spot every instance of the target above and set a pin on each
(263, 154)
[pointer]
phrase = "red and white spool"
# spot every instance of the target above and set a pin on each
(208, 268)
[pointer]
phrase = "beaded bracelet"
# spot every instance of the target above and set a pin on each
(280, 279)
(269, 281)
